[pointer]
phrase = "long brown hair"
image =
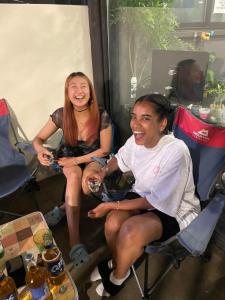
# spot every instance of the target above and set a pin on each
(70, 127)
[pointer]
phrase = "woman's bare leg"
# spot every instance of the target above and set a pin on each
(72, 202)
(113, 223)
(135, 233)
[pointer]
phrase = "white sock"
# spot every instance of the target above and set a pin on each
(118, 281)
(100, 288)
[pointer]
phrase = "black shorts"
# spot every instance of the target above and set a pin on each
(169, 224)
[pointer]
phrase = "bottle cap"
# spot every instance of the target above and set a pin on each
(29, 257)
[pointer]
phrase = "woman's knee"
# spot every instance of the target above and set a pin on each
(139, 231)
(112, 224)
(73, 176)
(128, 235)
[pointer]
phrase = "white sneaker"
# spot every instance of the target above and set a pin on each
(101, 291)
(104, 268)
(95, 275)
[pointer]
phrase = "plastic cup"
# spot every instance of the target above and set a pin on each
(195, 109)
(204, 113)
(42, 237)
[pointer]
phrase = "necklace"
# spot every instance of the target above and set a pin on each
(81, 109)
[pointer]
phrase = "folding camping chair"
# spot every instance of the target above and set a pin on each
(207, 147)
(14, 172)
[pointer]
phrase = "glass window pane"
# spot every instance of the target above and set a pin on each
(218, 11)
(190, 11)
(150, 51)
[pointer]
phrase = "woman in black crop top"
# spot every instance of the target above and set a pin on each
(86, 133)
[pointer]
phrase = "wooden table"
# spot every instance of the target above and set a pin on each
(17, 238)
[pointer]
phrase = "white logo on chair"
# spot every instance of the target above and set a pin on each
(202, 135)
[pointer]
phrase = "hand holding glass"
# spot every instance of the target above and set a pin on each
(94, 185)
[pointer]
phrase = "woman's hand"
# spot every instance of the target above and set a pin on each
(68, 162)
(100, 211)
(43, 156)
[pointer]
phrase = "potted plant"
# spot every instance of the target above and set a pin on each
(216, 91)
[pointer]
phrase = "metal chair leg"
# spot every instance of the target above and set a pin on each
(150, 290)
(147, 291)
(138, 282)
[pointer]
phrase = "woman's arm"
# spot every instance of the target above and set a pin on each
(134, 204)
(42, 153)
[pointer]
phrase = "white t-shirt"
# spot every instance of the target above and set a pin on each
(163, 175)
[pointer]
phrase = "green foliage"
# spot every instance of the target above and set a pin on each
(156, 25)
(216, 90)
(152, 25)
(141, 3)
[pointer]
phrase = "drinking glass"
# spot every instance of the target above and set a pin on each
(42, 237)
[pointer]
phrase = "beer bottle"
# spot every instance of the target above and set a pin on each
(40, 262)
(53, 260)
(36, 280)
(8, 290)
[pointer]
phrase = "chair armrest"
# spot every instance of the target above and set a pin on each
(196, 236)
(159, 247)
(26, 146)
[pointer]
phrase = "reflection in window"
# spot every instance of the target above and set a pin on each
(166, 50)
(181, 75)
(187, 82)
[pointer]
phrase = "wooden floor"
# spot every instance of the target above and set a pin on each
(194, 280)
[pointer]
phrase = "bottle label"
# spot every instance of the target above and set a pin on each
(11, 297)
(56, 267)
(40, 293)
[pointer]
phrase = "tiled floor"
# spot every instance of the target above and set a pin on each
(194, 280)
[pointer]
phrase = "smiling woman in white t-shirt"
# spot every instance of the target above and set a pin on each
(163, 198)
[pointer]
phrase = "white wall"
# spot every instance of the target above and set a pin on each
(40, 46)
